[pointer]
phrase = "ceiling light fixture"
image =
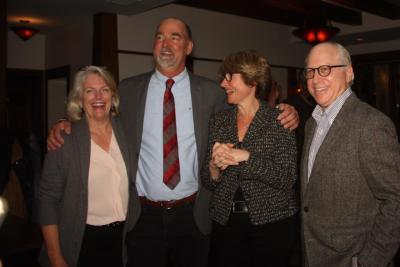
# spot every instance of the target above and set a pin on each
(316, 30)
(24, 32)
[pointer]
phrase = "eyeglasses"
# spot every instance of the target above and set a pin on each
(227, 76)
(323, 71)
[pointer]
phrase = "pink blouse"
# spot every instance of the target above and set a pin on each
(108, 185)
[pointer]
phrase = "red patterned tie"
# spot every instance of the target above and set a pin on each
(171, 158)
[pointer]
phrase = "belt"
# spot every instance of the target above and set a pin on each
(239, 207)
(110, 225)
(168, 204)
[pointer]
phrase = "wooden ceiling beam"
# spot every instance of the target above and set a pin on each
(270, 14)
(380, 8)
(315, 8)
(287, 12)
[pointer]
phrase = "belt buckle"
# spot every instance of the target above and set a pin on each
(239, 207)
(167, 204)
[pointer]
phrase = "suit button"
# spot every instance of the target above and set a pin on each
(305, 209)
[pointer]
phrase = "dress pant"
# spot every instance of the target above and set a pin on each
(101, 246)
(167, 237)
(239, 243)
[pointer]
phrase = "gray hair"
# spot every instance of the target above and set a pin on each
(74, 104)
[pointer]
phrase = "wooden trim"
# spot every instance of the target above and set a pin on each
(105, 42)
(3, 62)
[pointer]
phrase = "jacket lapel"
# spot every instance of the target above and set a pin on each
(199, 119)
(142, 89)
(82, 141)
(258, 125)
(333, 136)
(308, 136)
(119, 135)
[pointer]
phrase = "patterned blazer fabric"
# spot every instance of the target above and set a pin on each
(267, 179)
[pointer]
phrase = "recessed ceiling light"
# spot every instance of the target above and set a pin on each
(359, 39)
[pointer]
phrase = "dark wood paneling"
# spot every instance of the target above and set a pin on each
(105, 42)
(287, 12)
(25, 105)
(380, 8)
(365, 84)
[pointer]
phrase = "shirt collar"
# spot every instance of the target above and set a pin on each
(177, 79)
(333, 109)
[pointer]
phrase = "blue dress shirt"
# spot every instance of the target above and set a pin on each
(150, 169)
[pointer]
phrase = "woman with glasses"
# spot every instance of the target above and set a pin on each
(251, 170)
(82, 196)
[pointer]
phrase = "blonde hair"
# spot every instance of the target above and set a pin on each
(74, 104)
(253, 67)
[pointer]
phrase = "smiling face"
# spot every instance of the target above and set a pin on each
(237, 91)
(326, 90)
(171, 46)
(96, 98)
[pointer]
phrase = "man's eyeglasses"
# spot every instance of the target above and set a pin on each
(323, 71)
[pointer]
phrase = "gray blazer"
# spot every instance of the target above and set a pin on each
(207, 98)
(267, 179)
(351, 204)
(62, 192)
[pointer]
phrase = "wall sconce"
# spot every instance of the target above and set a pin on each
(24, 32)
(316, 30)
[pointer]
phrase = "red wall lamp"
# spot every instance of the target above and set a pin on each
(24, 32)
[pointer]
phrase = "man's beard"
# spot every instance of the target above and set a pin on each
(165, 62)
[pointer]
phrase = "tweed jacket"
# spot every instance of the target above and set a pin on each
(351, 204)
(62, 192)
(207, 98)
(267, 179)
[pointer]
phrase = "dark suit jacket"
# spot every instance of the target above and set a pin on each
(267, 179)
(351, 205)
(207, 98)
(62, 191)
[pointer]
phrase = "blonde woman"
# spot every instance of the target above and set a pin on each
(83, 194)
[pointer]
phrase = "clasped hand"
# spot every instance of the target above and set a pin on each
(224, 155)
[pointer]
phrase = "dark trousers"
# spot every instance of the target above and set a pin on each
(167, 237)
(101, 246)
(239, 243)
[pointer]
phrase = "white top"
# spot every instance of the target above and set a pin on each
(108, 191)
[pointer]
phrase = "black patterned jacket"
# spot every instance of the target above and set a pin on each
(267, 179)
